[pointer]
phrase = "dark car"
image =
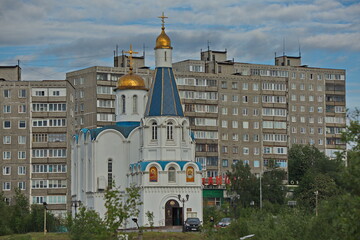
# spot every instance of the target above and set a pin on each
(192, 224)
(224, 222)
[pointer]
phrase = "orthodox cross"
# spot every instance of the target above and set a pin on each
(131, 52)
(162, 20)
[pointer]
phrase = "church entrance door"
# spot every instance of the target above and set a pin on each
(173, 213)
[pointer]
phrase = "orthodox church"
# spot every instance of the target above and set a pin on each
(150, 146)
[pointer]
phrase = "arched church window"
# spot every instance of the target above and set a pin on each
(135, 104)
(110, 173)
(123, 104)
(169, 131)
(183, 132)
(154, 131)
(153, 174)
(165, 56)
(172, 174)
(190, 174)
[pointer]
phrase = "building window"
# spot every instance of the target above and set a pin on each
(7, 124)
(6, 170)
(246, 151)
(245, 86)
(22, 109)
(7, 93)
(22, 185)
(21, 155)
(7, 140)
(6, 155)
(22, 124)
(154, 131)
(110, 173)
(21, 139)
(135, 104)
(169, 131)
(245, 99)
(7, 186)
(123, 104)
(7, 109)
(172, 174)
(22, 93)
(21, 170)
(234, 85)
(225, 163)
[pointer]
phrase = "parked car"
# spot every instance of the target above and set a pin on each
(192, 224)
(224, 222)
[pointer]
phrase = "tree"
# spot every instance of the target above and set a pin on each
(87, 225)
(243, 184)
(120, 206)
(150, 217)
(272, 184)
(4, 211)
(20, 212)
(307, 157)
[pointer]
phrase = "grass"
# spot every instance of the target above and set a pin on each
(146, 236)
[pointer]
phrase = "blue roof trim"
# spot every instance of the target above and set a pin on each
(125, 128)
(163, 164)
(164, 99)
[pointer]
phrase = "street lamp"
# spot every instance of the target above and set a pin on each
(45, 208)
(183, 200)
(76, 204)
(140, 236)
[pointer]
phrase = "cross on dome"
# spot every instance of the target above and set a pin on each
(131, 52)
(162, 20)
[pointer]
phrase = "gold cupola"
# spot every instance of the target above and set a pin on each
(131, 80)
(163, 40)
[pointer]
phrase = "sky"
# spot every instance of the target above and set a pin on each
(52, 37)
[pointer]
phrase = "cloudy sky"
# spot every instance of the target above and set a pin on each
(52, 37)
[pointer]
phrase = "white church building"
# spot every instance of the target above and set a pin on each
(150, 146)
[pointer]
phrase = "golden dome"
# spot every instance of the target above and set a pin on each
(163, 40)
(131, 81)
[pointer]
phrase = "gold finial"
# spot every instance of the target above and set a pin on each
(131, 52)
(162, 20)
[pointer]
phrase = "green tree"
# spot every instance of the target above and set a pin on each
(150, 217)
(303, 158)
(243, 185)
(86, 225)
(20, 213)
(4, 211)
(120, 206)
(272, 184)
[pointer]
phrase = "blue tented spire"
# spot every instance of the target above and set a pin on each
(164, 99)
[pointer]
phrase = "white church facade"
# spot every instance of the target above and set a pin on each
(150, 146)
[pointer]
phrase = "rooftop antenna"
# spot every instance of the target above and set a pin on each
(284, 46)
(299, 47)
(208, 43)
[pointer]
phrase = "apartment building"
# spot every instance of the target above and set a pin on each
(37, 122)
(237, 111)
(255, 112)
